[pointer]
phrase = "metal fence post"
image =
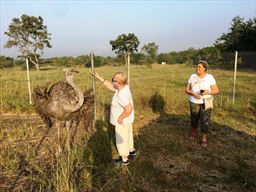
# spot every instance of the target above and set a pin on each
(94, 89)
(29, 89)
(129, 69)
(234, 83)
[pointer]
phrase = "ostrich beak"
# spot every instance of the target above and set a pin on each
(70, 70)
(75, 71)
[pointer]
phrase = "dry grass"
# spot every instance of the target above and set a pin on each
(167, 160)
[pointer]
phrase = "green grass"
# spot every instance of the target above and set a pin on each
(167, 160)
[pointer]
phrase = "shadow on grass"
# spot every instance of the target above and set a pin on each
(99, 152)
(178, 164)
(169, 161)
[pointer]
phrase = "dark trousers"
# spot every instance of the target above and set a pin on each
(200, 116)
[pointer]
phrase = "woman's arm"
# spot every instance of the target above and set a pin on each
(189, 92)
(214, 90)
(105, 82)
(127, 111)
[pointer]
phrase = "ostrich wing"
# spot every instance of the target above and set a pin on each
(62, 92)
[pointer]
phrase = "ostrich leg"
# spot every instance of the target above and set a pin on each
(68, 125)
(58, 123)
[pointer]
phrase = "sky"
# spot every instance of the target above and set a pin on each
(79, 26)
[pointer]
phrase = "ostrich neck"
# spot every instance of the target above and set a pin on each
(77, 106)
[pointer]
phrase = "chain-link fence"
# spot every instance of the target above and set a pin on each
(246, 61)
(235, 74)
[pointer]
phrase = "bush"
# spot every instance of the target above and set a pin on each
(6, 62)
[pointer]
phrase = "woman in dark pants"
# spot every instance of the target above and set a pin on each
(199, 86)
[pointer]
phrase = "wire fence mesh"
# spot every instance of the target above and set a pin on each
(234, 89)
(236, 77)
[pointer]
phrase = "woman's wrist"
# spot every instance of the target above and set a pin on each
(103, 81)
(100, 79)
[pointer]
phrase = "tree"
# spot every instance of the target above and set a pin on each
(138, 58)
(151, 51)
(30, 36)
(163, 57)
(125, 45)
(6, 62)
(241, 36)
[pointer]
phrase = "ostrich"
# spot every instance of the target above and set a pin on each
(64, 102)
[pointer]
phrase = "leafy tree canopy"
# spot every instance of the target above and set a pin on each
(241, 36)
(30, 36)
(125, 44)
(151, 50)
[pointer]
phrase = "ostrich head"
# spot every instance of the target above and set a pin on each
(69, 72)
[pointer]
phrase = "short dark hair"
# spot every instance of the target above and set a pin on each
(204, 63)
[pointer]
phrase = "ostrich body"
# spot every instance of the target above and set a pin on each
(64, 101)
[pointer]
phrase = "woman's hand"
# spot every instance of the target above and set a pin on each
(196, 95)
(120, 120)
(206, 92)
(104, 82)
(95, 74)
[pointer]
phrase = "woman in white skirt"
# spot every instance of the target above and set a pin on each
(121, 115)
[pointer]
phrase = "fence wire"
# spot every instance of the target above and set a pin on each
(13, 81)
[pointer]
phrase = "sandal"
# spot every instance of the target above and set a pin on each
(192, 137)
(204, 144)
(192, 134)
